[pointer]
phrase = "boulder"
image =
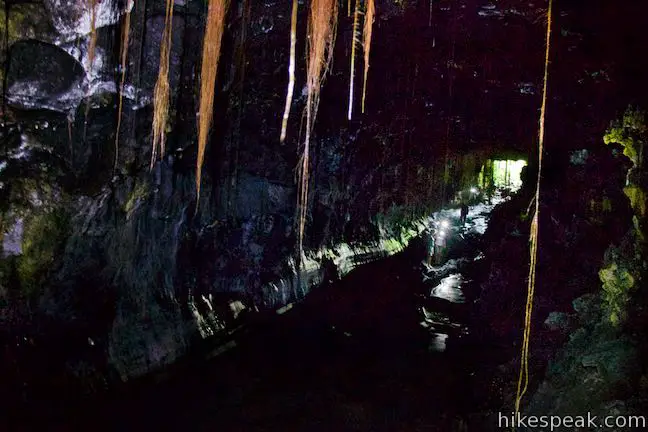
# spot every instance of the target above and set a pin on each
(43, 76)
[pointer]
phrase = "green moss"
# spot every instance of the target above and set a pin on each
(44, 236)
(618, 283)
(138, 195)
(629, 132)
(26, 21)
(392, 245)
(637, 198)
(14, 22)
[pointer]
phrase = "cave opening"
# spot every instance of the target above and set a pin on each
(502, 174)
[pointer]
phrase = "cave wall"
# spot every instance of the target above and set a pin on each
(119, 253)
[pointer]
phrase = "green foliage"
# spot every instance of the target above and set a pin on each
(638, 197)
(43, 240)
(623, 272)
(629, 132)
(618, 283)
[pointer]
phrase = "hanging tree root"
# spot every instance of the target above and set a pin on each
(161, 90)
(523, 379)
(321, 37)
(123, 57)
(354, 39)
(370, 14)
(92, 46)
(211, 53)
(291, 71)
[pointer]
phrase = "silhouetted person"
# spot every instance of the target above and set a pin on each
(464, 212)
(431, 245)
(330, 271)
(439, 251)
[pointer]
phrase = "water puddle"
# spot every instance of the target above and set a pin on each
(450, 289)
(438, 342)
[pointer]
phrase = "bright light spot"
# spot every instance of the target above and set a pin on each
(473, 190)
(445, 224)
(504, 174)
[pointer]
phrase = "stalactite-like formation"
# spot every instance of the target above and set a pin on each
(523, 379)
(370, 15)
(162, 90)
(354, 38)
(291, 70)
(123, 55)
(322, 26)
(211, 53)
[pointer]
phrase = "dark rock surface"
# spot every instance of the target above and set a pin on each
(41, 75)
(141, 270)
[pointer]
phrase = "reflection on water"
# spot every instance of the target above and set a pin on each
(435, 319)
(447, 281)
(438, 342)
(450, 289)
(435, 272)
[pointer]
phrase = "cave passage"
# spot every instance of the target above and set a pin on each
(388, 347)
(502, 173)
(309, 215)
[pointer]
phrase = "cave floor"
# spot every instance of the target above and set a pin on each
(388, 347)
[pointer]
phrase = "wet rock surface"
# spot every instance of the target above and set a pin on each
(41, 75)
(354, 355)
(123, 273)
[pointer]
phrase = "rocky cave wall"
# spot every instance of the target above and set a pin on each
(114, 254)
(118, 254)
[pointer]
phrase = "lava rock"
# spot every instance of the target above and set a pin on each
(41, 75)
(558, 321)
(587, 307)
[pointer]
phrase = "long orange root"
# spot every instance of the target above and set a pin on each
(322, 27)
(123, 58)
(92, 46)
(211, 53)
(523, 379)
(93, 33)
(162, 89)
(370, 15)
